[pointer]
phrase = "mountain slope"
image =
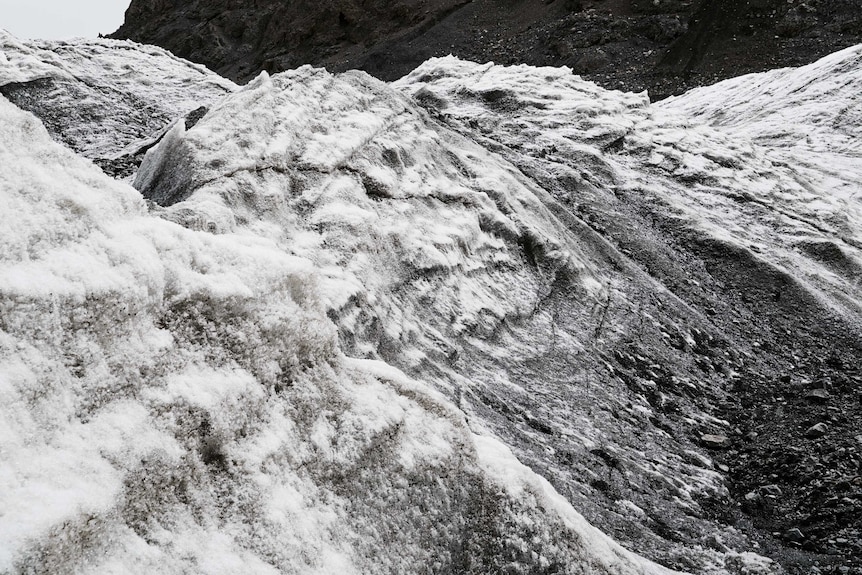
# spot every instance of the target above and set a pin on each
(666, 46)
(378, 294)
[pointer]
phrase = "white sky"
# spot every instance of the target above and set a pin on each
(61, 19)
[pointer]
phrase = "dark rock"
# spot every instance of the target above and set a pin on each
(817, 430)
(772, 490)
(817, 395)
(195, 116)
(794, 535)
(665, 47)
(713, 441)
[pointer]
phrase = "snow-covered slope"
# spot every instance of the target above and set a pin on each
(808, 119)
(443, 259)
(176, 401)
(354, 307)
(816, 105)
(105, 99)
(760, 252)
(733, 184)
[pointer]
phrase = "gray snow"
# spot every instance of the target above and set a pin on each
(372, 328)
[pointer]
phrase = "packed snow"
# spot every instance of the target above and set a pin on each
(439, 257)
(807, 122)
(753, 178)
(379, 328)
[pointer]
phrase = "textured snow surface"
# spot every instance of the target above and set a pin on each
(808, 119)
(176, 401)
(104, 98)
(382, 328)
(751, 186)
(445, 260)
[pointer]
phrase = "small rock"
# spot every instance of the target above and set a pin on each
(716, 542)
(771, 490)
(714, 441)
(794, 535)
(752, 496)
(751, 435)
(817, 395)
(818, 430)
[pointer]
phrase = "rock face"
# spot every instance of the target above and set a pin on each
(433, 325)
(665, 46)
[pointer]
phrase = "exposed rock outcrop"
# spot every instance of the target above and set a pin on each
(665, 46)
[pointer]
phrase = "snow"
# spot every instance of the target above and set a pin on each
(777, 168)
(368, 328)
(105, 98)
(438, 255)
(807, 121)
(176, 400)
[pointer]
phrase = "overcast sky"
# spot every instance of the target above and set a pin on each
(60, 19)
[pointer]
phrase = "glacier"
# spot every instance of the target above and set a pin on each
(109, 101)
(478, 320)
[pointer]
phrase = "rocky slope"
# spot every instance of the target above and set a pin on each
(665, 46)
(413, 327)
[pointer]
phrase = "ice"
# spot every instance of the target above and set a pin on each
(104, 98)
(778, 167)
(374, 328)
(439, 257)
(175, 401)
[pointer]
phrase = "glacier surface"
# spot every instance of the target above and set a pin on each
(392, 328)
(176, 400)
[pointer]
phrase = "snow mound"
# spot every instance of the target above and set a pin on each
(446, 260)
(104, 98)
(176, 401)
(818, 105)
(807, 119)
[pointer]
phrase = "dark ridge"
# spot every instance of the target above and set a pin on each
(664, 46)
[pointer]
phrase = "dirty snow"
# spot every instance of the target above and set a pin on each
(176, 400)
(367, 327)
